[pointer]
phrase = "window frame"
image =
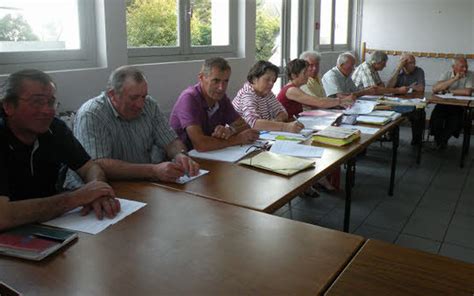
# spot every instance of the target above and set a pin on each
(85, 57)
(332, 46)
(184, 50)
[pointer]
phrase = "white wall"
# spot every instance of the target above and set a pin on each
(166, 80)
(423, 25)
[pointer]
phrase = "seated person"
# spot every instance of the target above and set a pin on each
(313, 87)
(366, 75)
(408, 74)
(257, 104)
(203, 115)
(446, 120)
(34, 148)
(337, 81)
(293, 98)
(122, 127)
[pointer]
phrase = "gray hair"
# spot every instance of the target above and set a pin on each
(217, 62)
(118, 77)
(456, 59)
(406, 55)
(344, 57)
(310, 54)
(12, 87)
(378, 56)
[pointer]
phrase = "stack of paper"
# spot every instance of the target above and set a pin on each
(295, 149)
(362, 129)
(336, 136)
(285, 136)
(451, 96)
(377, 120)
(281, 164)
(229, 154)
(361, 107)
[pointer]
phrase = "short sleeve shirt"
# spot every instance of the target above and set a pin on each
(416, 77)
(466, 82)
(191, 108)
(365, 76)
(334, 82)
(34, 171)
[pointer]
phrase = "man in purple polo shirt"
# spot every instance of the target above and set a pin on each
(203, 116)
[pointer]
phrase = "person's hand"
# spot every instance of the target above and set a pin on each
(93, 190)
(346, 102)
(372, 90)
(190, 166)
(248, 136)
(403, 62)
(167, 171)
(402, 89)
(351, 97)
(104, 206)
(222, 132)
(293, 127)
(459, 75)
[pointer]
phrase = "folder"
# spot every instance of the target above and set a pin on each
(336, 136)
(280, 164)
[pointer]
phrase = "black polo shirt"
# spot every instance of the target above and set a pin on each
(31, 171)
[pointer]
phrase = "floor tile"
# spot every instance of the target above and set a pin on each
(418, 243)
(457, 252)
(369, 231)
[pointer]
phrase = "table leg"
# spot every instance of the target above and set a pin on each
(395, 135)
(466, 135)
(350, 172)
(422, 134)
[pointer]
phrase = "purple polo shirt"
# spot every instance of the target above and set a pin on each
(191, 109)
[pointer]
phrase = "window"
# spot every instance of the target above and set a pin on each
(334, 24)
(48, 34)
(164, 30)
(277, 34)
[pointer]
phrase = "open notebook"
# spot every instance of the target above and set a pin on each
(229, 154)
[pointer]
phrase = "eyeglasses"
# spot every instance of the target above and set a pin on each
(39, 102)
(259, 145)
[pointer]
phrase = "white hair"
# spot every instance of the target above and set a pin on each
(378, 56)
(344, 57)
(310, 54)
(456, 59)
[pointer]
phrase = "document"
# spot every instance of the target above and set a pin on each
(373, 119)
(317, 123)
(229, 154)
(362, 129)
(294, 149)
(370, 98)
(90, 224)
(451, 96)
(273, 136)
(185, 179)
(361, 107)
(281, 164)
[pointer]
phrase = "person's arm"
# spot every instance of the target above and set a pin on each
(462, 92)
(296, 94)
(15, 213)
(269, 125)
(444, 84)
(176, 150)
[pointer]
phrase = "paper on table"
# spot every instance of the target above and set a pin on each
(229, 154)
(294, 149)
(90, 224)
(361, 107)
(272, 136)
(373, 119)
(369, 98)
(316, 123)
(451, 96)
(362, 129)
(185, 179)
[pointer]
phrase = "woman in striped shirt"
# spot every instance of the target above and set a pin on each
(257, 104)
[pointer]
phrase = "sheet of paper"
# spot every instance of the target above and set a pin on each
(451, 96)
(272, 136)
(362, 129)
(229, 154)
(294, 149)
(372, 119)
(370, 98)
(316, 123)
(361, 107)
(185, 179)
(90, 224)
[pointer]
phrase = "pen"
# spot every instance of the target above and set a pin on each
(296, 118)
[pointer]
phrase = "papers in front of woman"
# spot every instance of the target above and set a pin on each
(451, 96)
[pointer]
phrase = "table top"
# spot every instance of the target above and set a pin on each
(182, 244)
(265, 191)
(381, 268)
(434, 99)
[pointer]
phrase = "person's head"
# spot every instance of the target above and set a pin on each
(378, 60)
(410, 62)
(296, 71)
(313, 58)
(346, 62)
(460, 65)
(28, 101)
(127, 89)
(214, 78)
(262, 76)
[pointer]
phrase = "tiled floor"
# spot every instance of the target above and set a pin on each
(432, 208)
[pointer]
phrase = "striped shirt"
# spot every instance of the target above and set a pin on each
(104, 134)
(365, 76)
(253, 107)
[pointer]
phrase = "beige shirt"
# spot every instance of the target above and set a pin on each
(466, 82)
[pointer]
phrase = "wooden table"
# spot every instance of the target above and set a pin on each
(264, 191)
(380, 268)
(467, 105)
(184, 245)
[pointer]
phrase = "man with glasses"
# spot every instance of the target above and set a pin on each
(35, 147)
